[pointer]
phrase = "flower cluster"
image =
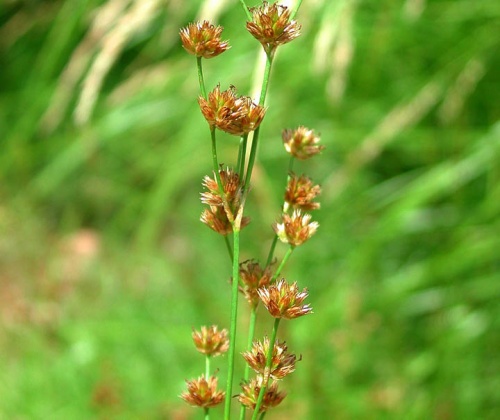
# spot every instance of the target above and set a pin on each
(231, 113)
(295, 229)
(282, 363)
(271, 25)
(202, 392)
(253, 277)
(202, 39)
(301, 143)
(284, 300)
(211, 341)
(300, 193)
(223, 207)
(250, 393)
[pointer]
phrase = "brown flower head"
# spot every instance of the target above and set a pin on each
(211, 341)
(301, 143)
(202, 39)
(283, 300)
(300, 193)
(295, 229)
(230, 184)
(282, 363)
(253, 277)
(250, 394)
(216, 219)
(271, 25)
(228, 112)
(203, 393)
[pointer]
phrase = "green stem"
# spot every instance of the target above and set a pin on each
(207, 366)
(275, 239)
(295, 9)
(282, 264)
(228, 245)
(262, 415)
(251, 333)
(268, 369)
(242, 155)
(234, 316)
(215, 160)
(247, 11)
(200, 77)
(207, 414)
(262, 100)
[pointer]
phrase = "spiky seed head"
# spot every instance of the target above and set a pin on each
(301, 143)
(300, 193)
(271, 25)
(250, 394)
(211, 341)
(253, 277)
(203, 393)
(284, 300)
(282, 363)
(202, 39)
(295, 229)
(230, 113)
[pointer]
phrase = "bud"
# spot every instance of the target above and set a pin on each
(295, 229)
(210, 341)
(203, 393)
(202, 39)
(301, 143)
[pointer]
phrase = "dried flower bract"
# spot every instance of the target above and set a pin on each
(295, 229)
(282, 363)
(250, 393)
(228, 112)
(253, 277)
(283, 300)
(202, 39)
(211, 341)
(300, 193)
(271, 25)
(301, 143)
(203, 393)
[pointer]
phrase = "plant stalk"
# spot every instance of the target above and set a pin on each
(251, 333)
(268, 369)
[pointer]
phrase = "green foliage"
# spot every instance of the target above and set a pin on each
(404, 273)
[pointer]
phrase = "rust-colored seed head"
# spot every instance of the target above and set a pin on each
(283, 300)
(211, 341)
(282, 363)
(301, 143)
(202, 39)
(230, 113)
(295, 229)
(253, 277)
(230, 184)
(250, 394)
(216, 219)
(203, 393)
(300, 193)
(271, 25)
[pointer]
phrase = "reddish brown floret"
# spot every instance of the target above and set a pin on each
(300, 193)
(271, 25)
(283, 300)
(230, 113)
(301, 143)
(253, 277)
(250, 394)
(203, 393)
(202, 39)
(282, 363)
(295, 229)
(211, 341)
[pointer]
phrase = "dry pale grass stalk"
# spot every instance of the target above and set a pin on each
(137, 17)
(104, 18)
(400, 118)
(464, 85)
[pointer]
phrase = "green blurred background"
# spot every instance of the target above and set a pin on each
(105, 268)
